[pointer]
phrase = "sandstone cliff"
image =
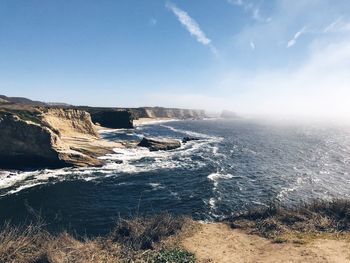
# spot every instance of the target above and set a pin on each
(26, 143)
(119, 118)
(111, 118)
(160, 112)
(49, 137)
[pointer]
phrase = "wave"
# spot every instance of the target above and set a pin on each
(155, 122)
(191, 133)
(216, 176)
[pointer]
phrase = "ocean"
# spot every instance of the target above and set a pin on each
(236, 165)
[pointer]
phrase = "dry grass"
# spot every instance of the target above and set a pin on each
(135, 240)
(22, 244)
(156, 239)
(313, 218)
(142, 233)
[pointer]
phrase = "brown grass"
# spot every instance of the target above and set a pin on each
(145, 239)
(22, 244)
(134, 240)
(312, 218)
(142, 233)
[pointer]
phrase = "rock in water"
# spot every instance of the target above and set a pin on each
(159, 144)
(187, 139)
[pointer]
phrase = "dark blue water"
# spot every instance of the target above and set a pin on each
(236, 165)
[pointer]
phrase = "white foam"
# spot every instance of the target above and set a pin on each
(216, 176)
(190, 133)
(212, 203)
(106, 131)
(155, 122)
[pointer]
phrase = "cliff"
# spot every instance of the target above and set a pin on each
(123, 118)
(160, 112)
(110, 117)
(26, 143)
(49, 137)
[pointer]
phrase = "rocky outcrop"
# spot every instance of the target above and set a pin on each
(159, 144)
(49, 137)
(188, 139)
(25, 143)
(67, 122)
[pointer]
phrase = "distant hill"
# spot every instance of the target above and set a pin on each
(20, 100)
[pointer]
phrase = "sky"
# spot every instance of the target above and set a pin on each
(266, 57)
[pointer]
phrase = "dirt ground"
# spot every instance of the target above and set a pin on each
(217, 242)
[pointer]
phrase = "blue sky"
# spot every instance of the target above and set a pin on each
(251, 56)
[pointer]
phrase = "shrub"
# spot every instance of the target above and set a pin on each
(140, 233)
(175, 255)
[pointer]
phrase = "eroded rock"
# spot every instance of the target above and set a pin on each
(188, 139)
(159, 144)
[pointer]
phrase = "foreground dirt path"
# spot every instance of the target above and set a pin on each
(218, 243)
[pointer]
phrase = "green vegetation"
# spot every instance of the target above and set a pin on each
(175, 255)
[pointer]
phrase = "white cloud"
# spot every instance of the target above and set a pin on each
(293, 41)
(236, 2)
(252, 45)
(191, 25)
(250, 8)
(338, 25)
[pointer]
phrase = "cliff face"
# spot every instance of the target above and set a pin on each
(115, 119)
(24, 143)
(49, 137)
(159, 112)
(68, 121)
(122, 118)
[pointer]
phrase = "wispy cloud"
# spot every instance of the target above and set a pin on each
(252, 45)
(191, 25)
(153, 21)
(293, 41)
(250, 8)
(338, 25)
